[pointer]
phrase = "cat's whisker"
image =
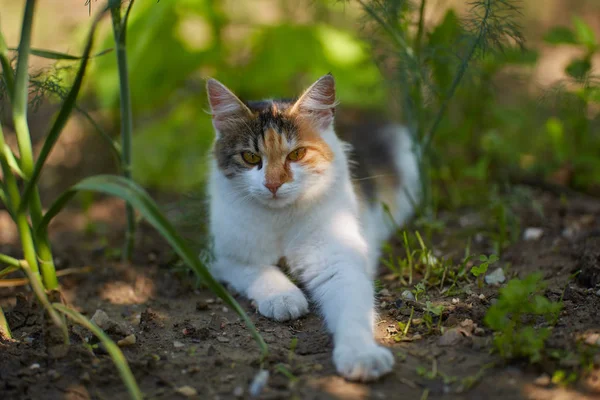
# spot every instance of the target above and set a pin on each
(373, 177)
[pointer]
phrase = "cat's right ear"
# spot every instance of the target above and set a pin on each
(225, 106)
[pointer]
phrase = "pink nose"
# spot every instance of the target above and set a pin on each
(273, 186)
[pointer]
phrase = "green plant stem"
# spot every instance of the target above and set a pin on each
(113, 350)
(120, 33)
(462, 69)
(13, 262)
(14, 199)
(21, 91)
(4, 328)
(419, 37)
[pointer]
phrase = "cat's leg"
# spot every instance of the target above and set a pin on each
(337, 278)
(275, 295)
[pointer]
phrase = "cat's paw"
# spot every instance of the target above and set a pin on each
(365, 363)
(284, 306)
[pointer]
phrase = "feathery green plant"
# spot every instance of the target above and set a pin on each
(427, 66)
(24, 206)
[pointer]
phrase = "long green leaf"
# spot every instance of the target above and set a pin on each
(141, 201)
(4, 328)
(56, 55)
(62, 117)
(113, 350)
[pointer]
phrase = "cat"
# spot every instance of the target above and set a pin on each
(282, 187)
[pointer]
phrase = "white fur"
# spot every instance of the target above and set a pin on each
(330, 244)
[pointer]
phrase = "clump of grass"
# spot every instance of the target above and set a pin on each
(521, 319)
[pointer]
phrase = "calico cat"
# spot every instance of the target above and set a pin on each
(282, 187)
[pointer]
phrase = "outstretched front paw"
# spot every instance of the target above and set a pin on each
(284, 306)
(362, 363)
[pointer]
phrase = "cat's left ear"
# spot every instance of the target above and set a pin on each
(317, 104)
(226, 107)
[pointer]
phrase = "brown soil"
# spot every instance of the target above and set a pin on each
(186, 337)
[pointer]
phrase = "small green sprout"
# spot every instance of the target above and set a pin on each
(480, 270)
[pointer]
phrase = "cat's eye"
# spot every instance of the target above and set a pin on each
(250, 157)
(297, 154)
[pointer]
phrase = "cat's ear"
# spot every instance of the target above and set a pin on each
(317, 104)
(225, 106)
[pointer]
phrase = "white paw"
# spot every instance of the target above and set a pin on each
(284, 306)
(365, 363)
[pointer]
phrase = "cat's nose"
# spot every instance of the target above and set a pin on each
(273, 186)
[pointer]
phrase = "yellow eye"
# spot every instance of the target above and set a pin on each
(297, 154)
(250, 157)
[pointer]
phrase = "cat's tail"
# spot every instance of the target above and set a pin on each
(408, 193)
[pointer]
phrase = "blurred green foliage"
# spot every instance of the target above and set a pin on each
(498, 125)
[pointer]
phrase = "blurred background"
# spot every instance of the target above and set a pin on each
(519, 114)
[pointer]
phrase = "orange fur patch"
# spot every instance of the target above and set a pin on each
(319, 153)
(277, 169)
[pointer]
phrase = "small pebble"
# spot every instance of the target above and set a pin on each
(479, 331)
(28, 340)
(384, 292)
(225, 309)
(85, 377)
(187, 391)
(593, 339)
(201, 305)
(259, 382)
(450, 338)
(128, 340)
(177, 344)
(533, 233)
(455, 300)
(543, 380)
(481, 296)
(34, 366)
(495, 278)
(102, 320)
(407, 295)
(238, 391)
(53, 375)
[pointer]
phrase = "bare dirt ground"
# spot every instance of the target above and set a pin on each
(186, 337)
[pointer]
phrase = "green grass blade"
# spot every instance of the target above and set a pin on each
(125, 19)
(136, 196)
(62, 117)
(21, 90)
(4, 328)
(113, 350)
(8, 270)
(56, 55)
(8, 74)
(119, 31)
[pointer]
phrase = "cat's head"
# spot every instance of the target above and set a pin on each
(275, 152)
